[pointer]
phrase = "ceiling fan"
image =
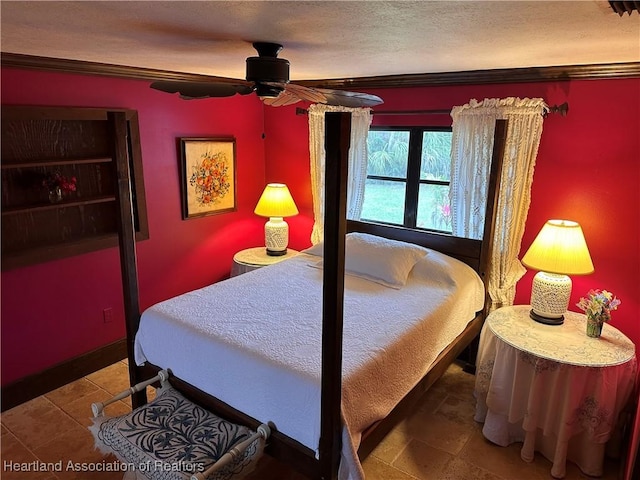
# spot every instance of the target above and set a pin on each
(267, 76)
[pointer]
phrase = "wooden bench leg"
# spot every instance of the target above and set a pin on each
(98, 407)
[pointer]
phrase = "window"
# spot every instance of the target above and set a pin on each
(408, 176)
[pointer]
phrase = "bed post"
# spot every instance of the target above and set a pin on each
(337, 139)
(126, 242)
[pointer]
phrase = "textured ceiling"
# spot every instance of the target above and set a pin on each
(324, 39)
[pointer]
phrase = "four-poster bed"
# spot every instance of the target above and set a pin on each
(323, 462)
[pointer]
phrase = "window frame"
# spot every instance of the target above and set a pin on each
(412, 180)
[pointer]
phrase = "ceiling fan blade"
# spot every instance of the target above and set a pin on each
(291, 94)
(344, 98)
(309, 94)
(322, 95)
(189, 90)
(285, 98)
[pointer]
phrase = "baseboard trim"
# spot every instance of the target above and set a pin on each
(43, 382)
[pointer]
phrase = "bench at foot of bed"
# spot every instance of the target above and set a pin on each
(171, 438)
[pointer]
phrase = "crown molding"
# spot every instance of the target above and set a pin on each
(63, 65)
(472, 77)
(476, 77)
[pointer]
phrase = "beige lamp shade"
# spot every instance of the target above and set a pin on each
(559, 248)
(276, 201)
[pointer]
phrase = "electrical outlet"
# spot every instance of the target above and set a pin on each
(107, 315)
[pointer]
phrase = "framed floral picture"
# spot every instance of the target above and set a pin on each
(208, 176)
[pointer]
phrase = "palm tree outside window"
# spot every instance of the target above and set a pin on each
(408, 177)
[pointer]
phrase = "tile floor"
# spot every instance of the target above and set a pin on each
(440, 441)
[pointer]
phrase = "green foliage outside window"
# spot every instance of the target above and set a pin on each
(436, 156)
(388, 188)
(388, 153)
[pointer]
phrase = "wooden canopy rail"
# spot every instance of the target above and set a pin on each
(473, 252)
(562, 109)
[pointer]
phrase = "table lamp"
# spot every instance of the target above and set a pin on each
(276, 203)
(559, 250)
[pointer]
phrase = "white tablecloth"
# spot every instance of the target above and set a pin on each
(254, 258)
(552, 387)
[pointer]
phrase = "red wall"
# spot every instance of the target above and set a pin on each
(53, 311)
(588, 170)
(287, 161)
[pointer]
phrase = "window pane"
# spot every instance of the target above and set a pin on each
(434, 211)
(383, 201)
(388, 153)
(436, 156)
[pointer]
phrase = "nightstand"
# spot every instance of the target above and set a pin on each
(252, 258)
(552, 387)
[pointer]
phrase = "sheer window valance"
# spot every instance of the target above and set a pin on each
(360, 122)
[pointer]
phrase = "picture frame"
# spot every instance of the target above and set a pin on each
(207, 176)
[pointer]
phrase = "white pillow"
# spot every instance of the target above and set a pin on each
(437, 268)
(316, 249)
(381, 260)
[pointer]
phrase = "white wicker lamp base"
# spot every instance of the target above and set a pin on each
(276, 236)
(550, 297)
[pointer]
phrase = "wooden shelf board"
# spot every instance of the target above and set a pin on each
(17, 258)
(23, 257)
(53, 206)
(54, 163)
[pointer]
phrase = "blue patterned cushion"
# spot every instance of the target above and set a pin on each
(171, 438)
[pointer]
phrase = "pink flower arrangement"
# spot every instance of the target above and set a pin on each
(599, 304)
(57, 180)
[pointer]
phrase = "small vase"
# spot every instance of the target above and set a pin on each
(55, 195)
(594, 327)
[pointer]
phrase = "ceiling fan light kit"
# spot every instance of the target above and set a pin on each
(267, 76)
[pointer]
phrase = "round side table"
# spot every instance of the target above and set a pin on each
(552, 387)
(253, 258)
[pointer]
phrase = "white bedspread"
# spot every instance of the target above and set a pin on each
(254, 342)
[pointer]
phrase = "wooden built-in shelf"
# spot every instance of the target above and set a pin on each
(79, 143)
(23, 257)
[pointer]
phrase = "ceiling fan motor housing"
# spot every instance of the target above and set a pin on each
(267, 69)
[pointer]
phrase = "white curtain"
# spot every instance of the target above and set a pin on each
(360, 122)
(472, 146)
